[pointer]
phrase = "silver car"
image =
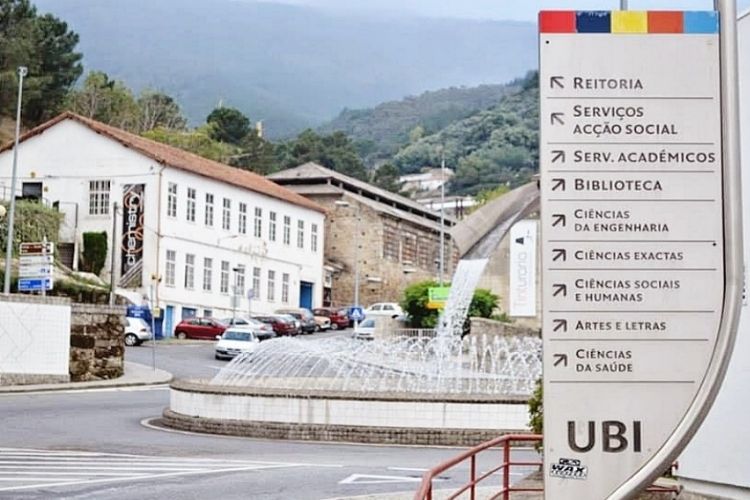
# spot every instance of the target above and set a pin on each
(136, 331)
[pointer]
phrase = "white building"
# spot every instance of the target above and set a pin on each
(716, 463)
(200, 226)
(429, 180)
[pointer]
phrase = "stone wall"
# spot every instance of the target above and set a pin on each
(482, 326)
(97, 348)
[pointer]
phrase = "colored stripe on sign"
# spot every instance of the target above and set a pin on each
(624, 22)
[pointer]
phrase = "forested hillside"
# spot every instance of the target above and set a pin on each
(492, 147)
(382, 131)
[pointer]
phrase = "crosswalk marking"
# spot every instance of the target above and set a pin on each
(27, 469)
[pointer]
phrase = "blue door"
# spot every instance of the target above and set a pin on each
(305, 294)
(169, 321)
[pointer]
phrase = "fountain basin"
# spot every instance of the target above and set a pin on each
(287, 412)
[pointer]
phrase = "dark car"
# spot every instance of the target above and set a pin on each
(305, 317)
(339, 318)
(199, 328)
(281, 325)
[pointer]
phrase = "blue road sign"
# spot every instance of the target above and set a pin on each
(357, 314)
(34, 284)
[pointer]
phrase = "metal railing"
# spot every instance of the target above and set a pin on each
(504, 493)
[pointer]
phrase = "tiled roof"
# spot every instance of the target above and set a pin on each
(183, 160)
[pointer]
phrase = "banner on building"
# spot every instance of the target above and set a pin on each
(523, 237)
(131, 241)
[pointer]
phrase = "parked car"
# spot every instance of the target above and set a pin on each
(235, 340)
(305, 317)
(262, 330)
(365, 330)
(339, 318)
(199, 328)
(384, 309)
(322, 323)
(281, 324)
(136, 331)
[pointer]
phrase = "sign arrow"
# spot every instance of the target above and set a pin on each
(559, 324)
(521, 240)
(557, 117)
(558, 184)
(559, 288)
(559, 253)
(558, 219)
(556, 81)
(560, 358)
(558, 155)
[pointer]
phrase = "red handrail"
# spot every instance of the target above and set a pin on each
(425, 488)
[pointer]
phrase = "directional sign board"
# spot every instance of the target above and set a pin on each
(632, 237)
(35, 265)
(34, 284)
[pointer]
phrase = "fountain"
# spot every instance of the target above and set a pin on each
(441, 388)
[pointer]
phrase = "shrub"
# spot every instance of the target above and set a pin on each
(94, 251)
(32, 222)
(416, 297)
(536, 411)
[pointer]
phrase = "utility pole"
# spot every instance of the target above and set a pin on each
(22, 72)
(623, 4)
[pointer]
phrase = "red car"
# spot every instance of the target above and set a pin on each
(339, 318)
(199, 328)
(281, 326)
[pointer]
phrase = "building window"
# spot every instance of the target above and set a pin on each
(258, 223)
(271, 286)
(99, 197)
(189, 271)
(208, 313)
(242, 225)
(209, 219)
(226, 214)
(190, 215)
(256, 282)
(169, 272)
(287, 230)
(208, 272)
(301, 234)
(314, 238)
(224, 284)
(172, 200)
(272, 226)
(239, 280)
(285, 288)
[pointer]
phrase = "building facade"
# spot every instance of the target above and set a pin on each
(199, 237)
(386, 239)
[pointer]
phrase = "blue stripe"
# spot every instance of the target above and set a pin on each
(594, 22)
(701, 22)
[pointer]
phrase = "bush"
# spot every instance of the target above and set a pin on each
(536, 411)
(94, 251)
(415, 304)
(33, 222)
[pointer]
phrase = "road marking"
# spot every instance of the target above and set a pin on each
(28, 469)
(408, 469)
(135, 388)
(373, 479)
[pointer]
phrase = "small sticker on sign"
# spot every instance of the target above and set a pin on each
(568, 468)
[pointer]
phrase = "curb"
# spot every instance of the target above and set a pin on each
(154, 377)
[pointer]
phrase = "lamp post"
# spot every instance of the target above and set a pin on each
(442, 217)
(22, 72)
(343, 203)
(235, 295)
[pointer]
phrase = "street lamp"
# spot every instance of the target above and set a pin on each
(344, 204)
(235, 295)
(22, 71)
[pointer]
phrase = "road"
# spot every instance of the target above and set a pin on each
(94, 445)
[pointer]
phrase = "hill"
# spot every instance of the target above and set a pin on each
(380, 132)
(492, 147)
(290, 66)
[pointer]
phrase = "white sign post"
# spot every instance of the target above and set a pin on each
(638, 233)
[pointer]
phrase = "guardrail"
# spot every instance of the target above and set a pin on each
(506, 442)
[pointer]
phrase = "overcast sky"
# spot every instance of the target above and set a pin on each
(522, 10)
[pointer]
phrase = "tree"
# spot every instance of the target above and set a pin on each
(335, 151)
(197, 141)
(156, 109)
(105, 100)
(44, 45)
(230, 125)
(416, 297)
(387, 177)
(256, 154)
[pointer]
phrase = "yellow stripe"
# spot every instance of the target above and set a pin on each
(629, 21)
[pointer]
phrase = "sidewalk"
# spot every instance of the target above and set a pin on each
(135, 374)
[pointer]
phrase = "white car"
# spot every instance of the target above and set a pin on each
(235, 340)
(384, 309)
(136, 331)
(365, 330)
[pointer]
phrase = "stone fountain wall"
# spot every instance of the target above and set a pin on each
(97, 347)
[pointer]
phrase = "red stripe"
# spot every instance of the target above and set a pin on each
(557, 21)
